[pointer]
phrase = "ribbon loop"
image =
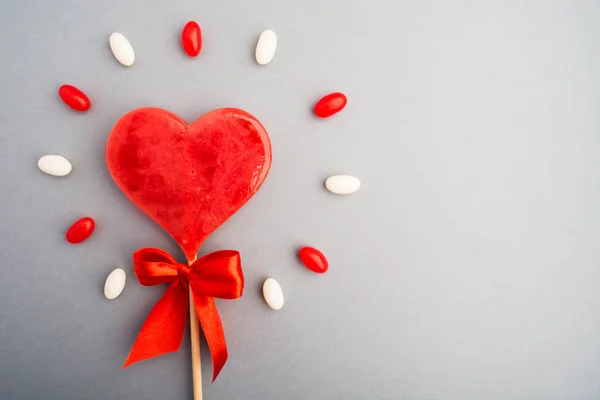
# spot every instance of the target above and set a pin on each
(154, 267)
(218, 274)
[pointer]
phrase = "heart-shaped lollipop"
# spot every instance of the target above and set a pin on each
(189, 178)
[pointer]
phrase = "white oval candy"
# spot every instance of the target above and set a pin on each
(342, 184)
(115, 283)
(55, 165)
(122, 49)
(266, 46)
(273, 294)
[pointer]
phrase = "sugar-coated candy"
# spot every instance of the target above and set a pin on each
(266, 46)
(115, 283)
(74, 98)
(342, 184)
(122, 49)
(80, 230)
(331, 104)
(56, 165)
(191, 39)
(273, 294)
(313, 259)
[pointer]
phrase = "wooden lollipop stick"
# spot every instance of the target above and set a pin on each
(195, 339)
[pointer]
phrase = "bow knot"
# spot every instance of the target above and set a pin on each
(218, 274)
(183, 272)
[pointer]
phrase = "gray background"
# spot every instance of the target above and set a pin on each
(467, 267)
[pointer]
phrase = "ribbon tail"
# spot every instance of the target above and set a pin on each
(163, 330)
(207, 313)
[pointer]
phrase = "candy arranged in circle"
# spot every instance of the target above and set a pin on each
(266, 46)
(74, 98)
(80, 230)
(331, 104)
(342, 184)
(273, 294)
(191, 39)
(115, 283)
(313, 259)
(55, 165)
(122, 49)
(191, 42)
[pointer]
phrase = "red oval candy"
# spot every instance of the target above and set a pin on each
(331, 104)
(80, 230)
(74, 98)
(191, 39)
(314, 260)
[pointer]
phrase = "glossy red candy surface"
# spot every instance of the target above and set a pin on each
(313, 259)
(74, 98)
(80, 230)
(191, 39)
(189, 178)
(331, 104)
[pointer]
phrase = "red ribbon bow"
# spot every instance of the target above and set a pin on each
(218, 274)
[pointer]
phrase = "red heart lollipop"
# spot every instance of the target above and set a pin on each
(189, 178)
